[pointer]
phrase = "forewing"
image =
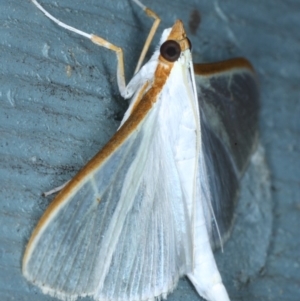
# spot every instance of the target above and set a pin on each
(228, 100)
(120, 230)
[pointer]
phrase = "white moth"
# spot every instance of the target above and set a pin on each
(145, 210)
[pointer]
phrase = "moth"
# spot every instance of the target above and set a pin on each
(156, 200)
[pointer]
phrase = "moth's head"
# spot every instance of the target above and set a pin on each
(174, 43)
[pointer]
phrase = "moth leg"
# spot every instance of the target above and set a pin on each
(151, 34)
(97, 40)
(104, 43)
(56, 189)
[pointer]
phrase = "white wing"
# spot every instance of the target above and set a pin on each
(123, 230)
(228, 101)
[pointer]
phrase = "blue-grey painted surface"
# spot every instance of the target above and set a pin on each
(59, 104)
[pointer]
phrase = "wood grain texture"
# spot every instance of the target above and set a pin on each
(60, 104)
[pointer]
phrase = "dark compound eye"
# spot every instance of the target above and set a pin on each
(170, 50)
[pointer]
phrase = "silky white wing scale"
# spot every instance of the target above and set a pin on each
(122, 228)
(228, 102)
(139, 214)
